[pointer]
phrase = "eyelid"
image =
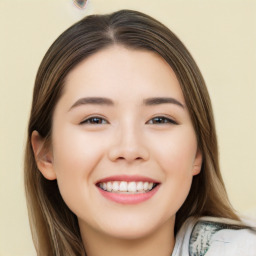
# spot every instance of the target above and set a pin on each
(85, 120)
(169, 119)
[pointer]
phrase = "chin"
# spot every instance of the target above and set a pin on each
(129, 233)
(132, 228)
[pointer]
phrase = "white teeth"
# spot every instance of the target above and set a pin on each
(123, 186)
(128, 187)
(115, 186)
(109, 186)
(140, 186)
(145, 186)
(132, 187)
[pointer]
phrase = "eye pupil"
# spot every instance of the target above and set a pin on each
(161, 120)
(96, 120)
(158, 120)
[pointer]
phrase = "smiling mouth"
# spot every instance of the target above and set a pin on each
(124, 187)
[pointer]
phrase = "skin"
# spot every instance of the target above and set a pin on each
(128, 139)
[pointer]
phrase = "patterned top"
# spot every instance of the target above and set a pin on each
(210, 236)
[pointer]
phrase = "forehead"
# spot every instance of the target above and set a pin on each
(117, 71)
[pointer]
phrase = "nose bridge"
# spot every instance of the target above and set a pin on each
(129, 144)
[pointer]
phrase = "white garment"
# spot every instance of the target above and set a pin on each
(210, 236)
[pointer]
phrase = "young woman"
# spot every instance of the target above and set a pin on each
(122, 154)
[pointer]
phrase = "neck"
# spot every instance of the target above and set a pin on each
(160, 242)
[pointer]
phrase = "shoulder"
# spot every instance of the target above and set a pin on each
(222, 237)
(211, 236)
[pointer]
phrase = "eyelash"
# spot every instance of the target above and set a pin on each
(165, 120)
(95, 120)
(91, 120)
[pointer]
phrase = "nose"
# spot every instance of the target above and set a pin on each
(129, 146)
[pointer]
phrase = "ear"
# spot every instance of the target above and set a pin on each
(43, 156)
(198, 162)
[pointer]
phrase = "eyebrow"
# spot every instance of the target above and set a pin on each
(93, 101)
(109, 102)
(162, 100)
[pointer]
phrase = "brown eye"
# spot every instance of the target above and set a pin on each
(94, 120)
(161, 120)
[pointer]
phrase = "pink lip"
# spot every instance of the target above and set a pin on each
(128, 198)
(122, 198)
(127, 178)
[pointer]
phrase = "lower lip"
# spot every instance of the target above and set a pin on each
(128, 198)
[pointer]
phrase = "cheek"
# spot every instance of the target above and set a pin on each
(75, 151)
(176, 152)
(75, 156)
(176, 155)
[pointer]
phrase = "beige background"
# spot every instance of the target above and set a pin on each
(221, 35)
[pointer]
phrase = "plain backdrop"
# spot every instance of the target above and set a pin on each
(220, 34)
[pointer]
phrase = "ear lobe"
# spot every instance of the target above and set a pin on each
(43, 156)
(198, 162)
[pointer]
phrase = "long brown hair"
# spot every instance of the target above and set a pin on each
(54, 227)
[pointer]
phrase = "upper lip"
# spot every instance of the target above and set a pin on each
(127, 178)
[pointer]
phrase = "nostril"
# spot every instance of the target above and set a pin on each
(129, 152)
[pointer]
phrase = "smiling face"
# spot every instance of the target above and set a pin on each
(124, 150)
